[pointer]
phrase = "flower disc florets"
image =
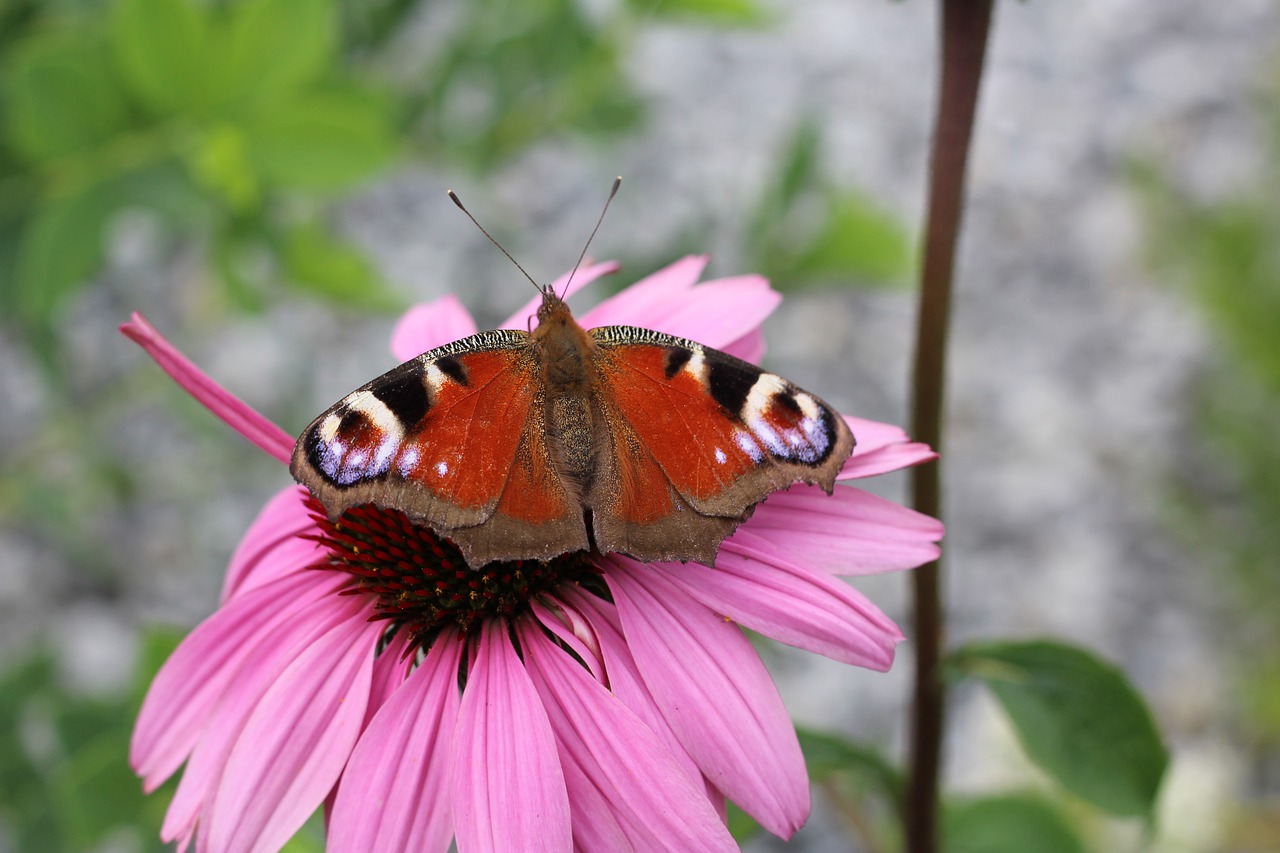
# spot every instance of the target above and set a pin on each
(420, 581)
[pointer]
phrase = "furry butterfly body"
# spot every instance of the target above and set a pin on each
(523, 445)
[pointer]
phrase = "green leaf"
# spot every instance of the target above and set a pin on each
(158, 46)
(309, 838)
(60, 96)
(26, 693)
(1235, 261)
(858, 239)
(724, 12)
(221, 164)
(61, 246)
(318, 261)
(322, 140)
(27, 677)
(1077, 717)
(827, 755)
(742, 826)
(799, 165)
(269, 48)
(539, 67)
(93, 788)
(1011, 823)
(236, 252)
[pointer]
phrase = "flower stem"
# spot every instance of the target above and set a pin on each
(965, 24)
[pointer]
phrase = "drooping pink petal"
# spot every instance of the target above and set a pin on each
(649, 296)
(572, 629)
(270, 547)
(265, 660)
(624, 679)
(238, 415)
(394, 794)
(295, 743)
(849, 532)
(881, 448)
(807, 608)
(508, 787)
(528, 312)
(629, 793)
(716, 694)
(187, 688)
(429, 325)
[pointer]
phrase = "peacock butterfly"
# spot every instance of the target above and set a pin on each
(526, 445)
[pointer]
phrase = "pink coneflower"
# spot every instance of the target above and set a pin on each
(590, 703)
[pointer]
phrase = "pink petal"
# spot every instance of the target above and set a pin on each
(624, 679)
(649, 296)
(238, 415)
(394, 794)
(629, 792)
(718, 313)
(572, 629)
(295, 744)
(716, 694)
(508, 788)
(715, 313)
(430, 325)
(270, 547)
(750, 347)
(584, 276)
(266, 659)
(390, 668)
(806, 608)
(186, 689)
(881, 448)
(849, 532)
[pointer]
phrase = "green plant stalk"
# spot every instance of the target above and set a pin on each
(965, 25)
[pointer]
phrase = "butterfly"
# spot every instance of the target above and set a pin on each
(526, 445)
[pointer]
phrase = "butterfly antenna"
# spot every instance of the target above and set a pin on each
(617, 182)
(463, 208)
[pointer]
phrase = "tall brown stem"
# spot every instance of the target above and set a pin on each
(965, 24)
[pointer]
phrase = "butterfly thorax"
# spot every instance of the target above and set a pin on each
(564, 349)
(564, 352)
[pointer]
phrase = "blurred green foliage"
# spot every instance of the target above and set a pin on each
(236, 124)
(806, 229)
(65, 782)
(205, 115)
(1225, 255)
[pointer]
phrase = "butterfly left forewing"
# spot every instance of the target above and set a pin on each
(441, 439)
(722, 432)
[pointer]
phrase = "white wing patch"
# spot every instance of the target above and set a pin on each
(804, 439)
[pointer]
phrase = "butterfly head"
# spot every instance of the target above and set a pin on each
(553, 310)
